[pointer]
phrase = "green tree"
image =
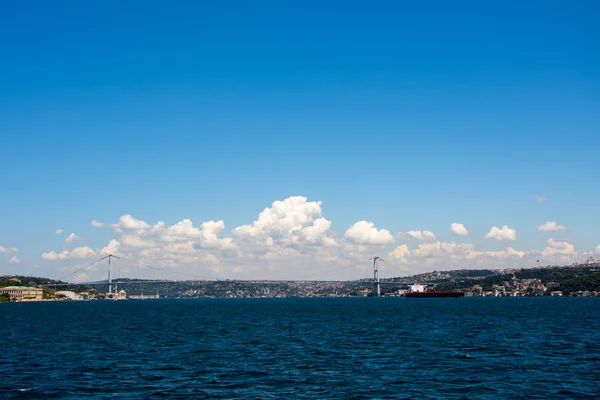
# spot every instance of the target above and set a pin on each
(4, 297)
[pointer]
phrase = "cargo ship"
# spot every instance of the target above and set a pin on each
(419, 291)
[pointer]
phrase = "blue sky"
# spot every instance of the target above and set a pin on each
(411, 115)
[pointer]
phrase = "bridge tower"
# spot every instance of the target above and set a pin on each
(109, 278)
(376, 288)
(109, 274)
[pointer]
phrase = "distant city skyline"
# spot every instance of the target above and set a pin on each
(266, 140)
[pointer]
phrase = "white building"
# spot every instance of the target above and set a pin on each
(68, 295)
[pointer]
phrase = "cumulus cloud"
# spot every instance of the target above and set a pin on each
(77, 252)
(462, 255)
(8, 249)
(504, 233)
(125, 222)
(318, 233)
(551, 226)
(292, 239)
(111, 248)
(294, 221)
(71, 238)
(539, 199)
(283, 216)
(171, 246)
(459, 229)
(59, 231)
(135, 241)
(82, 252)
(210, 232)
(128, 222)
(184, 229)
(14, 260)
(425, 236)
(400, 254)
(97, 224)
(557, 247)
(207, 236)
(441, 249)
(509, 252)
(364, 232)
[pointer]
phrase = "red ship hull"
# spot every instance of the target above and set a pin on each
(433, 293)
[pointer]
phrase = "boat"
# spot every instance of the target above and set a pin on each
(420, 291)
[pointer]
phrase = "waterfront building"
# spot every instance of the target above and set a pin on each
(120, 295)
(144, 296)
(67, 294)
(22, 293)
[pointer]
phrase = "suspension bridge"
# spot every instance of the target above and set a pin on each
(112, 284)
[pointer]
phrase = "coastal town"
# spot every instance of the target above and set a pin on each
(576, 280)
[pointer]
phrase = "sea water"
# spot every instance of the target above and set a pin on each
(360, 348)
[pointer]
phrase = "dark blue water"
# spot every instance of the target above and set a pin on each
(302, 348)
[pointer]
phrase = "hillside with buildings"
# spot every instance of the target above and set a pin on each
(579, 280)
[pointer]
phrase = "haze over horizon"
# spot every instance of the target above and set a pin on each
(271, 140)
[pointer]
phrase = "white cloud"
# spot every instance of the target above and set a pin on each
(174, 253)
(178, 244)
(179, 248)
(59, 231)
(131, 240)
(125, 221)
(98, 224)
(282, 217)
(294, 221)
(111, 248)
(71, 238)
(318, 233)
(364, 232)
(551, 226)
(509, 252)
(8, 249)
(291, 233)
(400, 254)
(459, 229)
(209, 259)
(441, 249)
(502, 234)
(52, 255)
(425, 236)
(14, 260)
(128, 222)
(184, 229)
(209, 237)
(557, 247)
(539, 199)
(77, 252)
(281, 253)
(291, 239)
(82, 252)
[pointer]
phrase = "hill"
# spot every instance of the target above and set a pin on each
(533, 281)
